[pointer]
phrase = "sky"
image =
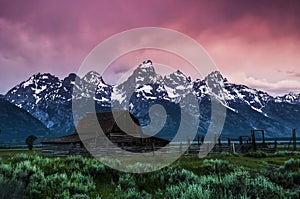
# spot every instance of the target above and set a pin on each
(256, 43)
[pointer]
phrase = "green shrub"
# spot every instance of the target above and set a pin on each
(127, 181)
(173, 176)
(139, 167)
(20, 157)
(184, 191)
(78, 183)
(59, 185)
(131, 194)
(6, 170)
(80, 196)
(10, 188)
(285, 153)
(287, 175)
(157, 181)
(257, 154)
(93, 167)
(214, 167)
(39, 177)
(23, 171)
(36, 185)
(291, 165)
(237, 183)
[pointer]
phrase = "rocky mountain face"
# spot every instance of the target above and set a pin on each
(49, 99)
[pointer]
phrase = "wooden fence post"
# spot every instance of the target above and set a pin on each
(253, 140)
(294, 140)
(180, 148)
(189, 145)
(207, 147)
(153, 148)
(215, 139)
(263, 136)
(241, 140)
(233, 148)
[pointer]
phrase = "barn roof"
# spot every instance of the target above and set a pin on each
(120, 121)
(107, 121)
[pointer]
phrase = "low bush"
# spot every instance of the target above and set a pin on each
(256, 154)
(238, 183)
(287, 175)
(285, 153)
(214, 167)
(6, 170)
(10, 188)
(233, 185)
(185, 191)
(173, 176)
(20, 157)
(60, 185)
(131, 194)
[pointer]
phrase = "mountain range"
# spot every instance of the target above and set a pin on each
(49, 100)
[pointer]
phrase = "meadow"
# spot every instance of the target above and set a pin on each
(27, 174)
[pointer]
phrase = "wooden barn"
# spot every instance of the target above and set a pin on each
(114, 125)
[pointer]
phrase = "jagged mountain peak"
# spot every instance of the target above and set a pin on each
(94, 78)
(143, 74)
(216, 75)
(292, 94)
(36, 84)
(71, 76)
(178, 77)
(69, 81)
(146, 64)
(289, 98)
(146, 67)
(44, 77)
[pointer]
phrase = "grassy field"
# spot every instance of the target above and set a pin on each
(253, 175)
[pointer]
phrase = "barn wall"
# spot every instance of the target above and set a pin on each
(63, 150)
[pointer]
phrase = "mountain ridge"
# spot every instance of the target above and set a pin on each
(49, 98)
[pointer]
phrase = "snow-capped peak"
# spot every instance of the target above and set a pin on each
(177, 77)
(146, 65)
(216, 76)
(143, 74)
(289, 98)
(94, 78)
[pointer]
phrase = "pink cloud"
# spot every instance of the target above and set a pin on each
(258, 39)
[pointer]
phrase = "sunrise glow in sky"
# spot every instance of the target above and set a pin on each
(252, 43)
